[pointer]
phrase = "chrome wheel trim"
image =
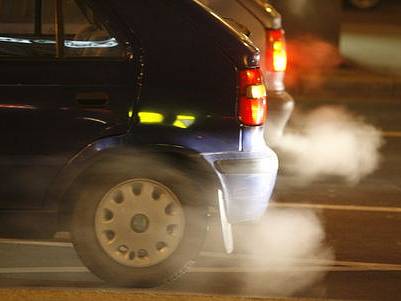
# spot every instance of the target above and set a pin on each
(139, 223)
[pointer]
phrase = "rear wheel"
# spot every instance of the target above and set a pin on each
(138, 229)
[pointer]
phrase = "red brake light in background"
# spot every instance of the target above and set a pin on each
(276, 52)
(253, 105)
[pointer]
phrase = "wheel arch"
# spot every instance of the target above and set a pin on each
(104, 154)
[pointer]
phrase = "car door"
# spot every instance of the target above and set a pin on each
(65, 81)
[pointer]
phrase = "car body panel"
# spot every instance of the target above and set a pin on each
(247, 185)
(171, 93)
(49, 126)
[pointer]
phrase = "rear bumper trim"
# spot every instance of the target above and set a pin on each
(244, 166)
(247, 181)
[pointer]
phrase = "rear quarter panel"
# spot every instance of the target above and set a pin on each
(186, 73)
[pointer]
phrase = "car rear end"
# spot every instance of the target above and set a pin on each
(203, 95)
(264, 26)
(247, 174)
(274, 66)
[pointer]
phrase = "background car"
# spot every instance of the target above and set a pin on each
(123, 122)
(263, 24)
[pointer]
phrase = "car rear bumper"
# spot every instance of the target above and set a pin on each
(247, 181)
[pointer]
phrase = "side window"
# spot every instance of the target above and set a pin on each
(21, 33)
(28, 29)
(85, 35)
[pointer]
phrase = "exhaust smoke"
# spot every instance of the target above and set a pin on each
(290, 245)
(329, 141)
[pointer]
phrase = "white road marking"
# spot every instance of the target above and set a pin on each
(338, 207)
(296, 265)
(32, 270)
(330, 265)
(36, 243)
(248, 269)
(271, 269)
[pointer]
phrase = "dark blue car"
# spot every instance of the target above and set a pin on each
(124, 122)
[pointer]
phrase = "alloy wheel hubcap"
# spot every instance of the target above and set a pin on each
(139, 223)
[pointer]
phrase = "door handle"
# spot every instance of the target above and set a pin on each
(92, 99)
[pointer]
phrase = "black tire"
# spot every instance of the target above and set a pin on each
(97, 182)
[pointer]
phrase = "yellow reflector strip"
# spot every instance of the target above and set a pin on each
(180, 124)
(256, 91)
(150, 117)
(186, 117)
(184, 121)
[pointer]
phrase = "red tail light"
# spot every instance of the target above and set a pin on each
(276, 52)
(253, 105)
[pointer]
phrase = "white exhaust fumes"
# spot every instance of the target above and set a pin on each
(330, 141)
